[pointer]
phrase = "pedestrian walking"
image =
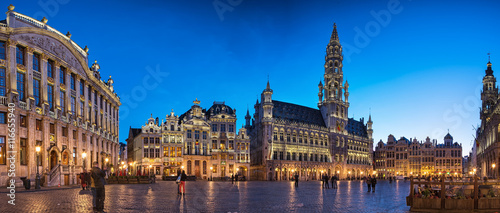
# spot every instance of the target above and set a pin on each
(333, 181)
(88, 180)
(369, 183)
(83, 181)
(98, 183)
(374, 182)
(296, 180)
(232, 179)
(236, 178)
(182, 186)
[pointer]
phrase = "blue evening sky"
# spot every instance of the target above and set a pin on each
(418, 71)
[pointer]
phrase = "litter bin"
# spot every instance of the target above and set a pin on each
(26, 182)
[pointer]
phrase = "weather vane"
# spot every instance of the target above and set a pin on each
(488, 56)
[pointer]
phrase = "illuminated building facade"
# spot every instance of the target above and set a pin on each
(289, 138)
(487, 144)
(61, 104)
(202, 142)
(410, 157)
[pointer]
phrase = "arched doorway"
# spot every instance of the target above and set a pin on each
(53, 159)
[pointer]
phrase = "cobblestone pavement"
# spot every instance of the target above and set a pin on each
(203, 196)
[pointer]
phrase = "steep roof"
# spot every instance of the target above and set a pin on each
(135, 132)
(297, 113)
(355, 127)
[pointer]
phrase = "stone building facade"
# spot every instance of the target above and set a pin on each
(203, 142)
(487, 142)
(287, 138)
(60, 104)
(406, 157)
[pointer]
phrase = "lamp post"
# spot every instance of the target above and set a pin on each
(37, 180)
(211, 173)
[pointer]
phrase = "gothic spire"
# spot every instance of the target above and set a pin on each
(335, 35)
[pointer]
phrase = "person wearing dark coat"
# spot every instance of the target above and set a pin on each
(98, 183)
(182, 186)
(374, 182)
(369, 183)
(296, 180)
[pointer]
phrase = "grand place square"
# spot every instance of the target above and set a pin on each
(249, 106)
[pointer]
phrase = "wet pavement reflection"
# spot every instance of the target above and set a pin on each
(203, 196)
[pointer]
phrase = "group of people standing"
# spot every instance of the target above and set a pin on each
(370, 183)
(333, 180)
(95, 180)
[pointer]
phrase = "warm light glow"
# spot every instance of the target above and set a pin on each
(237, 169)
(349, 172)
(182, 167)
(211, 168)
(37, 149)
(120, 167)
(455, 173)
(84, 155)
(150, 166)
(493, 165)
(474, 170)
(293, 170)
(338, 172)
(411, 173)
(124, 163)
(106, 160)
(361, 172)
(470, 173)
(374, 172)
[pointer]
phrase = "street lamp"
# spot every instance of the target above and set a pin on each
(37, 180)
(494, 172)
(211, 173)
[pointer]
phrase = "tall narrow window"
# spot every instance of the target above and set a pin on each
(50, 68)
(223, 127)
(2, 50)
(20, 86)
(36, 91)
(3, 149)
(20, 55)
(62, 101)
(23, 156)
(73, 105)
(62, 75)
(50, 97)
(72, 81)
(82, 87)
(3, 90)
(36, 62)
(74, 155)
(82, 105)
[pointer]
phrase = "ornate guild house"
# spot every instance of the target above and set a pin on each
(202, 142)
(65, 115)
(290, 139)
